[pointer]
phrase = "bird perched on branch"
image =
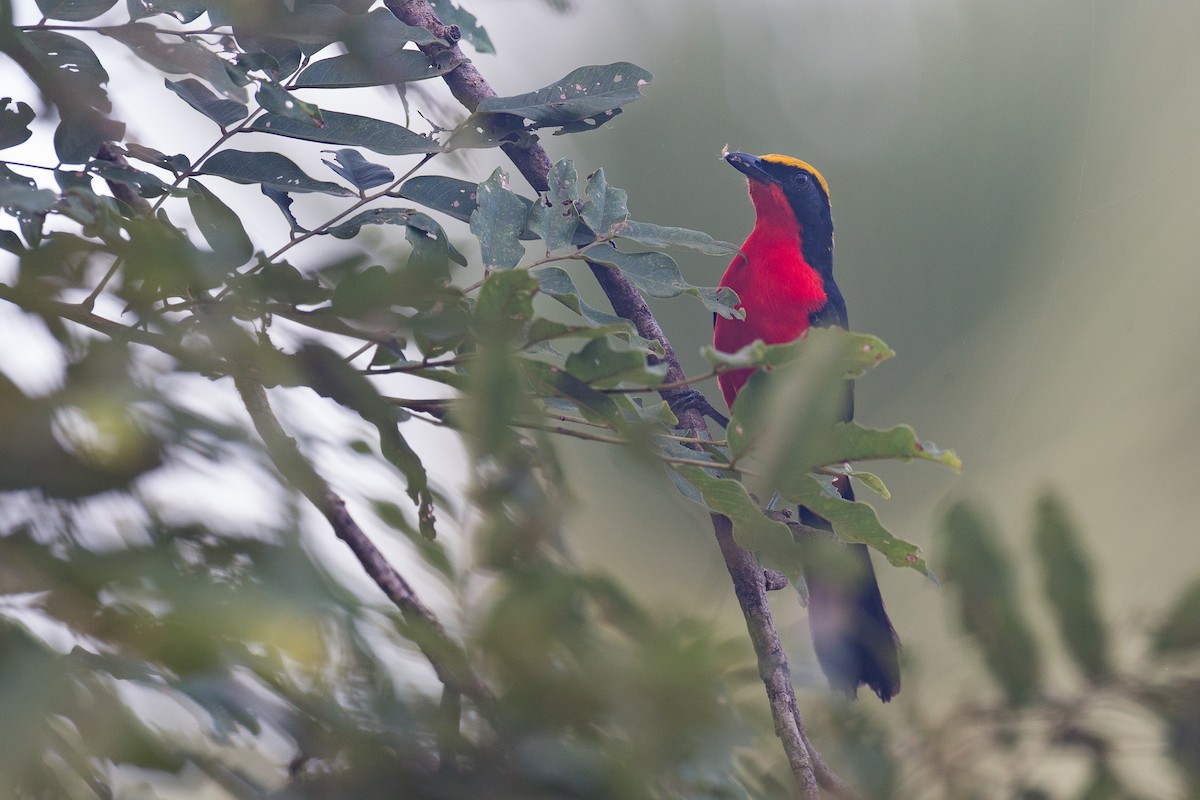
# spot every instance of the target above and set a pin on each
(784, 279)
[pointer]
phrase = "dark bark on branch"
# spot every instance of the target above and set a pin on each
(467, 84)
(469, 87)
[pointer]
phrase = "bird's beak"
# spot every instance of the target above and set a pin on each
(750, 166)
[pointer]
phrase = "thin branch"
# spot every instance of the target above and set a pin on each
(469, 87)
(448, 659)
(362, 201)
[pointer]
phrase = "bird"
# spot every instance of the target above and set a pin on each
(783, 277)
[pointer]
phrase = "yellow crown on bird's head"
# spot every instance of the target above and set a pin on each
(788, 161)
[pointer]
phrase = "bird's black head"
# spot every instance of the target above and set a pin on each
(806, 193)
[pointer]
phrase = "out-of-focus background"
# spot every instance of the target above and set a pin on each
(1016, 193)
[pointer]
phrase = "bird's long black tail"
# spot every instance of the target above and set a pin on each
(852, 635)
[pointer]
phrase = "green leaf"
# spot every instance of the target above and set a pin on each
(451, 196)
(222, 111)
(432, 552)
(351, 165)
(868, 479)
(505, 303)
(557, 283)
(19, 194)
(489, 130)
(330, 376)
(14, 122)
(283, 201)
(282, 105)
(74, 10)
(657, 275)
(350, 71)
(747, 357)
(177, 57)
(601, 365)
(11, 243)
(269, 169)
(548, 380)
(852, 442)
(273, 57)
(585, 93)
(556, 215)
(770, 539)
(72, 62)
(1181, 630)
(451, 14)
(178, 164)
(220, 225)
(375, 216)
(974, 565)
(144, 183)
(430, 243)
(81, 132)
(855, 522)
(662, 236)
(350, 129)
(379, 31)
(284, 283)
(1068, 584)
(603, 206)
(497, 221)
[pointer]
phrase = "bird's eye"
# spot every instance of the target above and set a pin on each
(800, 180)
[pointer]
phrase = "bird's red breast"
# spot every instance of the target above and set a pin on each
(778, 289)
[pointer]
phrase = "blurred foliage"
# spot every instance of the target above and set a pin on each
(142, 656)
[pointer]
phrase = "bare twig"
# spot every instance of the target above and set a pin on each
(469, 87)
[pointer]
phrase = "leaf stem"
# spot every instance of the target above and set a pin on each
(362, 201)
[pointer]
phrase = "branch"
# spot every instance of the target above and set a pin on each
(444, 654)
(469, 87)
(467, 84)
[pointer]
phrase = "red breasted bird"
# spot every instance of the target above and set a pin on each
(785, 283)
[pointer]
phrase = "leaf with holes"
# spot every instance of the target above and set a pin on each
(603, 206)
(284, 105)
(72, 63)
(555, 216)
(585, 93)
(497, 221)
